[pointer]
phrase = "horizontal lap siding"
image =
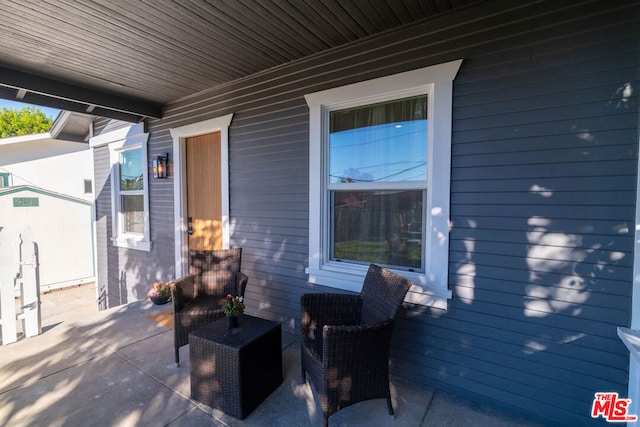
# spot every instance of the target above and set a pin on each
(102, 184)
(544, 162)
(269, 189)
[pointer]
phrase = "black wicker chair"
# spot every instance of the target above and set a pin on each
(346, 341)
(197, 298)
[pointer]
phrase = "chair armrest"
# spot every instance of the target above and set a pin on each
(361, 348)
(318, 310)
(183, 290)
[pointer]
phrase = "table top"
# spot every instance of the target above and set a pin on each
(249, 329)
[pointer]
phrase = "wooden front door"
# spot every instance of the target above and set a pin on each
(204, 191)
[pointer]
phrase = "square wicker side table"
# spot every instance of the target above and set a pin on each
(235, 370)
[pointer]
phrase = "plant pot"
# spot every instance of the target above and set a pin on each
(233, 321)
(160, 300)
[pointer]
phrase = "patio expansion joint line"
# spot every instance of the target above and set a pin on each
(132, 363)
(172, 389)
(428, 408)
(49, 375)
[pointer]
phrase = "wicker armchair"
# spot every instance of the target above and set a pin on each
(346, 341)
(197, 298)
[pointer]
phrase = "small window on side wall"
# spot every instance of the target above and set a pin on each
(4, 179)
(132, 191)
(129, 186)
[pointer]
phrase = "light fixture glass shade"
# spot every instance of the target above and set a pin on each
(159, 166)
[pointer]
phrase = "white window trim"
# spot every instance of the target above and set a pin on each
(179, 135)
(431, 287)
(126, 138)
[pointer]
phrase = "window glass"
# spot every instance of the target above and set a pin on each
(131, 170)
(4, 179)
(131, 191)
(383, 142)
(371, 144)
(132, 207)
(381, 227)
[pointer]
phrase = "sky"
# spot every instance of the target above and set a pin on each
(390, 152)
(5, 103)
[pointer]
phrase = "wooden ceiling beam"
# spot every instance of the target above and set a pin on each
(48, 92)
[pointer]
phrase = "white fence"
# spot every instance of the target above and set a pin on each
(19, 280)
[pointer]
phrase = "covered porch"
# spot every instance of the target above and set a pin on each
(530, 273)
(115, 368)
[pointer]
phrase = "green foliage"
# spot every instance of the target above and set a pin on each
(26, 121)
(380, 252)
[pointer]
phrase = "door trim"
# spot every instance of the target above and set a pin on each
(179, 135)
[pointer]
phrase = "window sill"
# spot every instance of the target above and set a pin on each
(349, 277)
(132, 242)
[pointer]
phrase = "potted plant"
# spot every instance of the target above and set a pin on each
(233, 306)
(160, 293)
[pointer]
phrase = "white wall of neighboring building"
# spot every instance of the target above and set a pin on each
(43, 162)
(62, 228)
(53, 172)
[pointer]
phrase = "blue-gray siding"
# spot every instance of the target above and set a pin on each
(102, 196)
(544, 163)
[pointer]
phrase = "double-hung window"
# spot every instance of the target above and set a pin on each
(131, 189)
(379, 181)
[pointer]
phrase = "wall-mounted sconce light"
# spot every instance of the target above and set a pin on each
(160, 166)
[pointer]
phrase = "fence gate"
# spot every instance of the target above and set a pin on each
(22, 278)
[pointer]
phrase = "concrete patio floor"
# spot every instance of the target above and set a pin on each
(115, 368)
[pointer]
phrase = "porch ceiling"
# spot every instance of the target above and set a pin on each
(126, 59)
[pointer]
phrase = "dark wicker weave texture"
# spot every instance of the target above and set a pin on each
(346, 341)
(234, 371)
(197, 298)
